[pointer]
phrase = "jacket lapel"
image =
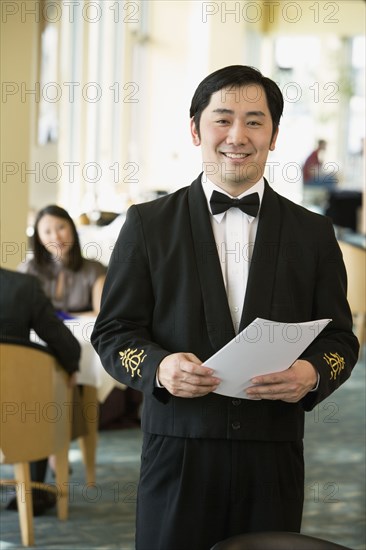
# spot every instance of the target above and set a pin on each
(258, 297)
(219, 324)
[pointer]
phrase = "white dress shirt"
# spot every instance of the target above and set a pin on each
(234, 233)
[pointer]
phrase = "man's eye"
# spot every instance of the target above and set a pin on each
(254, 123)
(222, 121)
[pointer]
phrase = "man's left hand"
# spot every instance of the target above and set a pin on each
(290, 385)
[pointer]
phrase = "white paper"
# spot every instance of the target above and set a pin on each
(261, 348)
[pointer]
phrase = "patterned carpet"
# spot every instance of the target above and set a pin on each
(102, 517)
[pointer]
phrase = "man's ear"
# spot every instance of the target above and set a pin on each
(274, 139)
(195, 137)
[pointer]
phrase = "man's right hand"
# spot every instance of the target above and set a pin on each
(183, 375)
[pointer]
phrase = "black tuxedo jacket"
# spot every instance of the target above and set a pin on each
(24, 306)
(164, 293)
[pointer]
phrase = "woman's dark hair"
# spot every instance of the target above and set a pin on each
(234, 76)
(42, 257)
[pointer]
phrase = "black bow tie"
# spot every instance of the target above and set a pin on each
(248, 204)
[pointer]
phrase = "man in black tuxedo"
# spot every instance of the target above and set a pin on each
(24, 306)
(188, 272)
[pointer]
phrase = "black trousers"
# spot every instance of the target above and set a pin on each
(196, 492)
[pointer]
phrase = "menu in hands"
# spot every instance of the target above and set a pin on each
(261, 348)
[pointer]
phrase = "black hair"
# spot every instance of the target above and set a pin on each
(233, 76)
(42, 257)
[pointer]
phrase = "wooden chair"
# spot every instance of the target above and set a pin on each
(355, 261)
(88, 443)
(35, 423)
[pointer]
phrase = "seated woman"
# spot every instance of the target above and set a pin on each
(74, 284)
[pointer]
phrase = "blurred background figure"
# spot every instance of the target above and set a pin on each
(313, 169)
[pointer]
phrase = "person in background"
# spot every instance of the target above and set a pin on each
(189, 272)
(24, 306)
(74, 284)
(313, 169)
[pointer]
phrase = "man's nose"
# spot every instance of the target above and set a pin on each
(237, 134)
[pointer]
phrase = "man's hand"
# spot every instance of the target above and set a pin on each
(183, 376)
(290, 385)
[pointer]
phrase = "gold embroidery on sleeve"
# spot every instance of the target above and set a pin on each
(132, 360)
(336, 364)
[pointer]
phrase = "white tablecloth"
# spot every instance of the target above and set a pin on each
(91, 371)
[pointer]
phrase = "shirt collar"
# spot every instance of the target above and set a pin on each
(208, 187)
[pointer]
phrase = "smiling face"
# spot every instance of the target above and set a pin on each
(56, 235)
(235, 136)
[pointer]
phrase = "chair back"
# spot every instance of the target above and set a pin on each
(35, 404)
(355, 261)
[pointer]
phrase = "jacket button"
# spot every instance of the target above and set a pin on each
(236, 402)
(235, 425)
